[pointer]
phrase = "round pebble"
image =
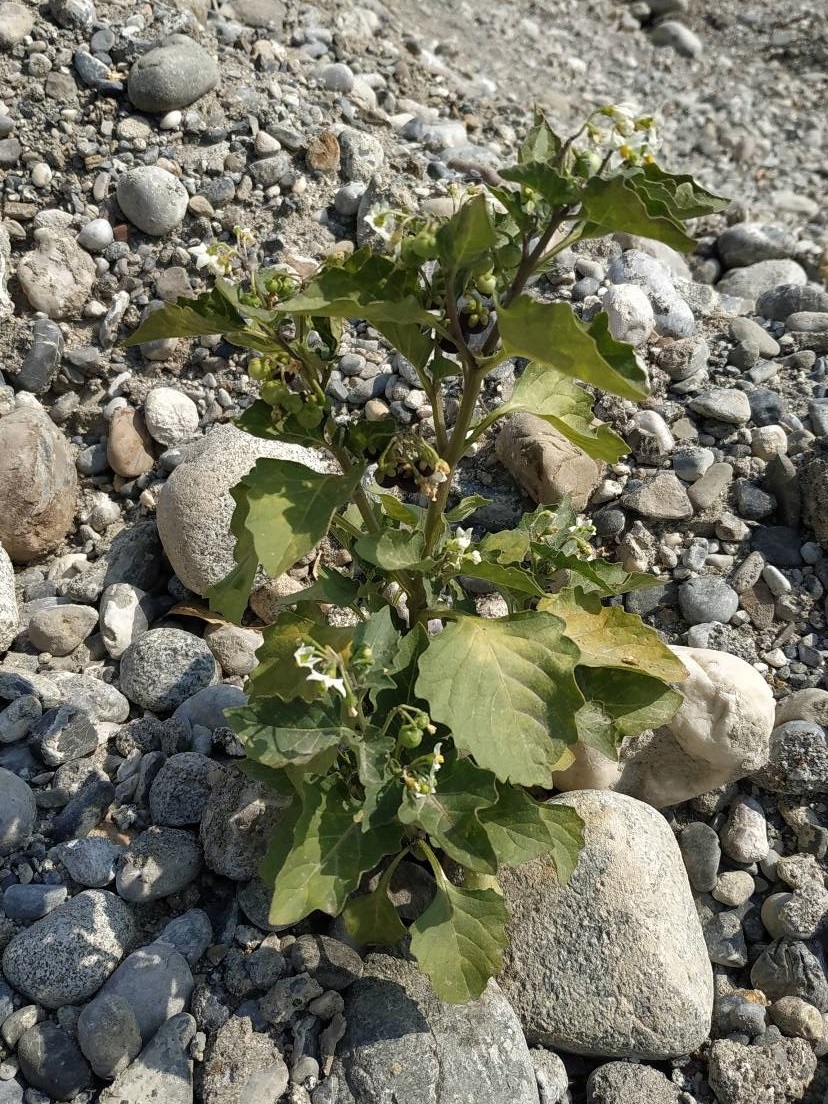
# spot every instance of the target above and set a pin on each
(171, 417)
(152, 199)
(164, 667)
(158, 862)
(171, 76)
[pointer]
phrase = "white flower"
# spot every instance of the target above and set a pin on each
(328, 683)
(211, 258)
(462, 538)
(475, 557)
(308, 657)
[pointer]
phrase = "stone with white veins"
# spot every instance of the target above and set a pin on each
(171, 416)
(152, 199)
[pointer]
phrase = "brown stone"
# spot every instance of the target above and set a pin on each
(322, 154)
(545, 463)
(129, 449)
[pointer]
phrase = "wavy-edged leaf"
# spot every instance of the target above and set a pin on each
(466, 507)
(522, 829)
(682, 195)
(229, 595)
(372, 919)
(459, 940)
(449, 816)
(634, 700)
(467, 235)
(403, 671)
(383, 638)
(282, 734)
(403, 512)
(392, 549)
(277, 673)
(558, 190)
(329, 853)
(206, 314)
(503, 576)
(551, 334)
(599, 576)
(506, 689)
(615, 203)
(541, 142)
(330, 586)
(509, 546)
(258, 420)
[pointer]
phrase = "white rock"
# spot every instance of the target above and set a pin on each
(650, 424)
(171, 417)
(96, 235)
(9, 615)
(57, 276)
(630, 314)
(122, 618)
(767, 441)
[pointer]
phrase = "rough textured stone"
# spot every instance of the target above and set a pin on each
(402, 1041)
(163, 1071)
(195, 507)
(57, 276)
(663, 496)
(17, 812)
(152, 199)
(777, 1074)
(164, 667)
(544, 463)
(37, 483)
(158, 862)
(614, 963)
(242, 1065)
(623, 1083)
(238, 822)
(9, 613)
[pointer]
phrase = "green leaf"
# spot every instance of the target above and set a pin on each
(507, 547)
(383, 638)
(541, 142)
(392, 549)
(372, 919)
(506, 689)
(277, 673)
(551, 334)
(450, 815)
(634, 700)
(459, 939)
(258, 420)
(466, 236)
(280, 734)
(403, 512)
(522, 829)
(403, 671)
(503, 577)
(556, 189)
(205, 315)
(374, 756)
(614, 204)
(331, 587)
(369, 439)
(597, 729)
(329, 853)
(599, 576)
(282, 510)
(466, 507)
(684, 198)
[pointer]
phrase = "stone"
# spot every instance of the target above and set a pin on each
(195, 506)
(157, 863)
(9, 613)
(721, 732)
(234, 647)
(164, 667)
(545, 463)
(108, 1034)
(66, 957)
(129, 445)
(701, 853)
(152, 199)
(629, 313)
(775, 1074)
(613, 964)
(745, 833)
(752, 281)
(747, 243)
(51, 1061)
(259, 13)
(32, 901)
(170, 416)
(124, 616)
(91, 861)
(792, 968)
(238, 822)
(623, 1083)
(725, 404)
(779, 303)
(156, 982)
(181, 789)
(333, 964)
(803, 705)
(661, 496)
(17, 812)
(242, 1065)
(684, 358)
(707, 598)
(798, 760)
(43, 359)
(814, 487)
(361, 153)
(16, 21)
(679, 36)
(794, 1016)
(18, 717)
(710, 486)
(163, 1071)
(57, 276)
(206, 708)
(172, 75)
(60, 629)
(37, 484)
(190, 934)
(96, 235)
(401, 1040)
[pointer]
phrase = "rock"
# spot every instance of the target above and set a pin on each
(814, 487)
(259, 13)
(66, 957)
(747, 243)
(242, 1065)
(679, 36)
(158, 862)
(629, 314)
(37, 484)
(776, 1074)
(96, 235)
(798, 760)
(361, 153)
(124, 616)
(614, 963)
(78, 14)
(9, 613)
(180, 790)
(794, 1016)
(16, 20)
(62, 734)
(57, 276)
(206, 708)
(792, 968)
(190, 934)
(165, 667)
(238, 822)
(402, 1041)
(701, 853)
(333, 964)
(623, 1083)
(163, 1071)
(171, 417)
(684, 358)
(43, 359)
(32, 901)
(18, 717)
(172, 75)
(90, 861)
(734, 888)
(108, 1034)
(707, 598)
(803, 705)
(544, 463)
(779, 303)
(725, 404)
(234, 647)
(152, 199)
(551, 1075)
(51, 1061)
(156, 982)
(129, 446)
(754, 280)
(745, 834)
(60, 629)
(721, 732)
(662, 496)
(17, 812)
(195, 507)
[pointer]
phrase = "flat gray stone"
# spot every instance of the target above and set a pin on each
(158, 862)
(156, 982)
(162, 1072)
(172, 76)
(17, 812)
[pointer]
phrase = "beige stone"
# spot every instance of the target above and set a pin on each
(129, 448)
(545, 463)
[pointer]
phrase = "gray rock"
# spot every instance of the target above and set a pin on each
(623, 1083)
(90, 861)
(401, 1040)
(67, 956)
(60, 629)
(792, 968)
(776, 1074)
(16, 20)
(195, 507)
(163, 1071)
(333, 964)
(51, 1061)
(745, 833)
(37, 483)
(238, 821)
(798, 762)
(234, 647)
(17, 812)
(11, 1092)
(96, 235)
(134, 557)
(701, 853)
(684, 358)
(180, 790)
(259, 13)
(754, 280)
(614, 963)
(552, 1077)
(152, 199)
(63, 734)
(191, 934)
(206, 708)
(794, 1016)
(108, 1034)
(747, 243)
(691, 464)
(362, 154)
(32, 901)
(272, 170)
(156, 982)
(242, 1065)
(158, 862)
(79, 14)
(629, 313)
(124, 616)
(170, 76)
(43, 359)
(679, 36)
(746, 330)
(725, 404)
(662, 496)
(164, 667)
(57, 276)
(707, 598)
(778, 303)
(9, 613)
(803, 705)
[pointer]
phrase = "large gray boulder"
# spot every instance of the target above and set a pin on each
(402, 1042)
(613, 964)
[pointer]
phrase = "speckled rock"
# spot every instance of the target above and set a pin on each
(152, 199)
(158, 862)
(164, 667)
(17, 812)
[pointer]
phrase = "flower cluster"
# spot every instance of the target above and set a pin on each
(421, 783)
(618, 135)
(457, 549)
